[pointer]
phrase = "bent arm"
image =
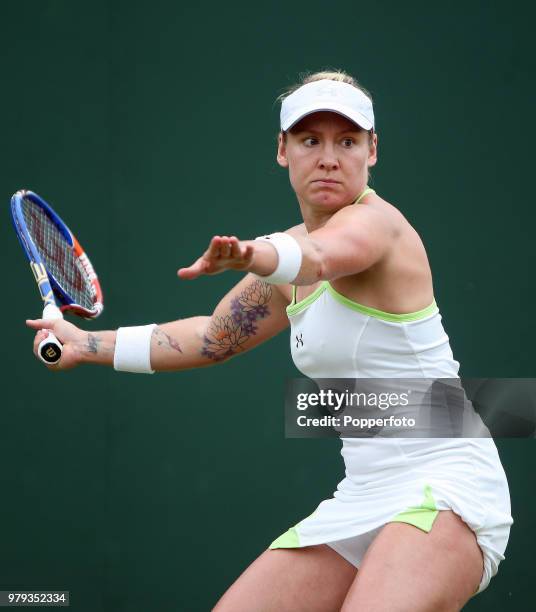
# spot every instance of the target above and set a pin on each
(251, 313)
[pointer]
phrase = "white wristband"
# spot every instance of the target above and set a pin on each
(133, 349)
(289, 255)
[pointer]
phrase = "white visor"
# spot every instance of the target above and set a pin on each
(327, 95)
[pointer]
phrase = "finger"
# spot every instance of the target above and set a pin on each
(214, 247)
(236, 252)
(42, 334)
(225, 246)
(41, 323)
(247, 253)
(39, 337)
(193, 271)
(187, 273)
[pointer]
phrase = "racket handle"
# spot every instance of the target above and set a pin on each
(50, 349)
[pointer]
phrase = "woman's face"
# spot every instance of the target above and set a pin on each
(328, 157)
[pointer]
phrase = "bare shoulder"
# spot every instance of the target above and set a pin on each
(297, 231)
(407, 243)
(400, 224)
(389, 209)
(374, 212)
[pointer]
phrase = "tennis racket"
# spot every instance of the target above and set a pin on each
(66, 279)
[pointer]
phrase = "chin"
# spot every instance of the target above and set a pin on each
(328, 200)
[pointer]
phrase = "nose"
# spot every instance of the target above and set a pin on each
(328, 160)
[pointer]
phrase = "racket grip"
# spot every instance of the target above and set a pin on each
(50, 349)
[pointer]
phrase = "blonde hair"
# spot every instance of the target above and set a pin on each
(331, 75)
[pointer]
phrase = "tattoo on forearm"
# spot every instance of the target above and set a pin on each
(165, 340)
(227, 335)
(92, 343)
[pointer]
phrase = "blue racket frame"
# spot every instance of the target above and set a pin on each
(50, 289)
(44, 282)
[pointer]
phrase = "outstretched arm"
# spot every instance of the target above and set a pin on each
(251, 313)
(354, 239)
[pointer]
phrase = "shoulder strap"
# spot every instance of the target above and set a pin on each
(367, 191)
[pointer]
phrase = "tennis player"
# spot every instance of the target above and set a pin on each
(416, 524)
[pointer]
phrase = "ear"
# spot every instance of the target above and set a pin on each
(373, 151)
(282, 151)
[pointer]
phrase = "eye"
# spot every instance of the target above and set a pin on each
(347, 142)
(310, 141)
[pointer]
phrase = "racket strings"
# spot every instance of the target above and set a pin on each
(57, 254)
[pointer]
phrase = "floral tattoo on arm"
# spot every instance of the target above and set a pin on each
(226, 335)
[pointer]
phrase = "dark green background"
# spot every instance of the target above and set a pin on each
(151, 126)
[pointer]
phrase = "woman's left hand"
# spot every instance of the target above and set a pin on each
(223, 253)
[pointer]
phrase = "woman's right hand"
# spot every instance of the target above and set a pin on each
(76, 342)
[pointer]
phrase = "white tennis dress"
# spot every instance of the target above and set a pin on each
(401, 479)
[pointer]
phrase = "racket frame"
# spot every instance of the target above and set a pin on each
(50, 349)
(59, 293)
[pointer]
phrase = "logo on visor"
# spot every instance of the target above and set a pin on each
(328, 91)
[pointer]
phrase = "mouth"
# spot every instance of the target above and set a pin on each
(326, 180)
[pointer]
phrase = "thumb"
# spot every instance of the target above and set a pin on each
(42, 323)
(193, 271)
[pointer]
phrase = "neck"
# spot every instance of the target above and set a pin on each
(314, 217)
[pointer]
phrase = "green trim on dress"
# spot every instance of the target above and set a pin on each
(296, 307)
(366, 192)
(422, 516)
(289, 539)
(380, 314)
